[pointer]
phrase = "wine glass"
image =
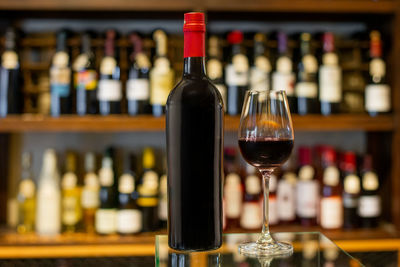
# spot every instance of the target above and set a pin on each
(266, 142)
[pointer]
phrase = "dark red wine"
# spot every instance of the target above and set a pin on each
(266, 152)
(194, 149)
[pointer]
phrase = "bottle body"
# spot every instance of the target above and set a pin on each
(194, 149)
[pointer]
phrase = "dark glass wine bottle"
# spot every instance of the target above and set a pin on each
(236, 73)
(215, 69)
(110, 92)
(377, 92)
(10, 91)
(138, 85)
(283, 78)
(60, 78)
(194, 125)
(86, 79)
(351, 191)
(330, 77)
(306, 86)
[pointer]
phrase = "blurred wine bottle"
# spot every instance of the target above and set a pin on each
(251, 214)
(10, 91)
(162, 76)
(48, 211)
(90, 193)
(163, 197)
(71, 196)
(273, 207)
(106, 215)
(261, 67)
(26, 197)
(86, 78)
(60, 78)
(351, 191)
(109, 92)
(215, 69)
(138, 85)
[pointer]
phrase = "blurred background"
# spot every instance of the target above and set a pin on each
(83, 86)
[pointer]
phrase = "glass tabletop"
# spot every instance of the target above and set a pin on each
(310, 249)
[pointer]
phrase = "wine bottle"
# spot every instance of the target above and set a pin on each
(194, 126)
(129, 217)
(307, 189)
(233, 190)
(283, 78)
(109, 93)
(148, 192)
(10, 91)
(26, 197)
(60, 78)
(48, 212)
(90, 193)
(215, 66)
(351, 191)
(369, 207)
(306, 86)
(286, 195)
(138, 85)
(261, 68)
(162, 76)
(163, 197)
(377, 92)
(331, 208)
(251, 214)
(330, 77)
(236, 73)
(273, 207)
(71, 196)
(86, 78)
(106, 215)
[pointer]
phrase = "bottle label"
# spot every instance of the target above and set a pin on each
(48, 213)
(285, 198)
(137, 89)
(90, 198)
(369, 206)
(27, 188)
(306, 89)
(80, 62)
(377, 67)
(307, 193)
(259, 79)
(70, 214)
(350, 202)
(9, 60)
(109, 90)
(161, 82)
(330, 84)
(233, 197)
(331, 212)
(235, 78)
(251, 217)
(60, 79)
(377, 97)
(272, 210)
(106, 177)
(106, 220)
(87, 79)
(284, 65)
(283, 81)
(214, 69)
(240, 63)
(310, 64)
(129, 221)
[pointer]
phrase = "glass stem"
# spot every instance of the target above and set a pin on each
(265, 240)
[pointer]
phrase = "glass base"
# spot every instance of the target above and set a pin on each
(255, 249)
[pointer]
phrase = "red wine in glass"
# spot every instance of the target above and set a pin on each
(265, 153)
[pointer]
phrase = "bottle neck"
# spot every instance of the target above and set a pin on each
(194, 53)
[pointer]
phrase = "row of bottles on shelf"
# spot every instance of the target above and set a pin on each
(320, 190)
(327, 190)
(104, 203)
(313, 80)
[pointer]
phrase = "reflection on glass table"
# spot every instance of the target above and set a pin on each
(310, 249)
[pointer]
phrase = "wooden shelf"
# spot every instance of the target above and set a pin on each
(306, 6)
(124, 123)
(14, 245)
